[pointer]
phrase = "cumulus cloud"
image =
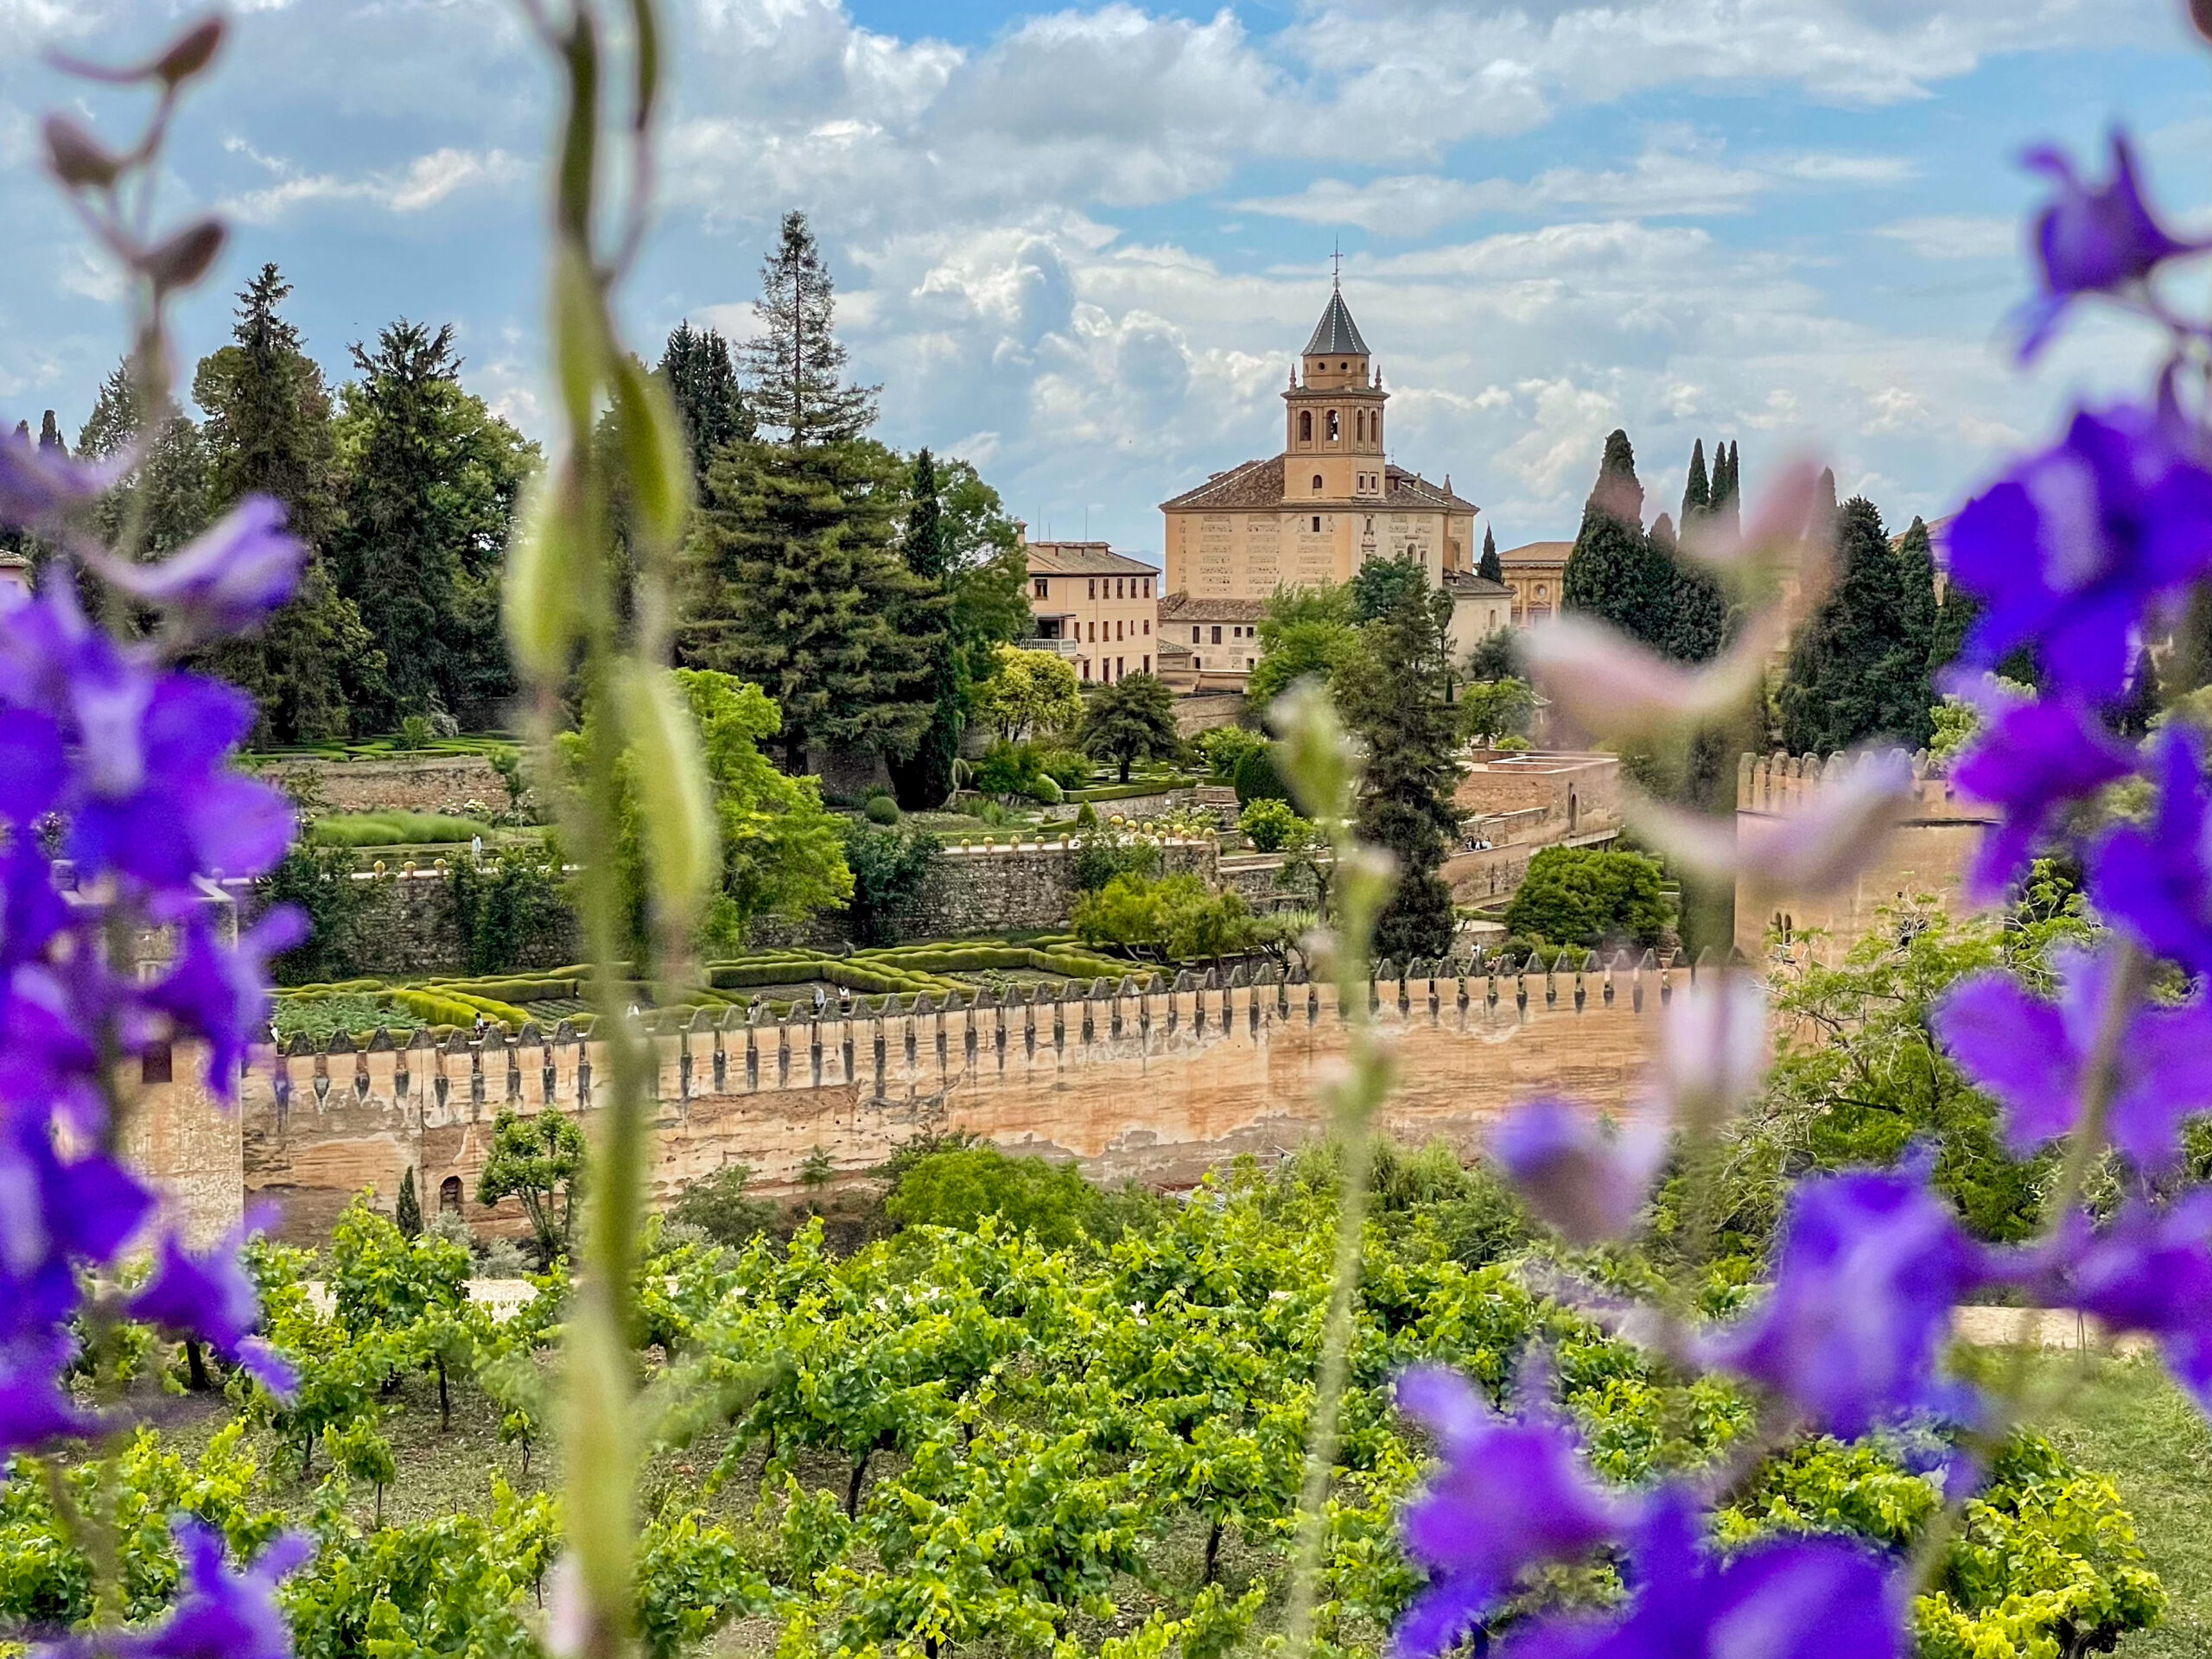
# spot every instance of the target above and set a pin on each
(423, 183)
(1956, 236)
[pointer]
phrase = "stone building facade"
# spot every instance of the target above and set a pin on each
(1536, 572)
(1098, 608)
(1331, 501)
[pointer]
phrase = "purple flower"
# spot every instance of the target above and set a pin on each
(2033, 759)
(211, 1297)
(1587, 1182)
(34, 1406)
(2070, 551)
(40, 484)
(223, 993)
(2154, 884)
(232, 577)
(218, 1614)
(1783, 1599)
(2091, 238)
(1510, 1494)
(2151, 1272)
(1870, 1264)
(2034, 1057)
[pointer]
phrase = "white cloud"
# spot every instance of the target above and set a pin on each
(1956, 236)
(423, 183)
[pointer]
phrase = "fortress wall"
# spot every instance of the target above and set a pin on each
(1155, 1087)
(462, 784)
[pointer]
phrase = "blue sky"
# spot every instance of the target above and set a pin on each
(1081, 246)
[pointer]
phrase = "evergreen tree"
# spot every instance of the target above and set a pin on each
(429, 480)
(408, 1214)
(12, 539)
(49, 435)
(1727, 503)
(1490, 569)
(1916, 618)
(1396, 696)
(1854, 673)
(1696, 625)
(1697, 489)
(172, 474)
(796, 365)
(1613, 573)
(1129, 720)
(2131, 715)
(924, 778)
(703, 380)
(793, 584)
(268, 431)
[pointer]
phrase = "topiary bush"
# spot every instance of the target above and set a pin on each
(1271, 824)
(1591, 897)
(1257, 779)
(880, 809)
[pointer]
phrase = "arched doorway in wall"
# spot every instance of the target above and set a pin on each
(1573, 810)
(449, 1196)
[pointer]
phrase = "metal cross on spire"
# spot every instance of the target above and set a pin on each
(1337, 265)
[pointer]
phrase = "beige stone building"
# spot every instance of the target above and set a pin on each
(1098, 608)
(1535, 571)
(1331, 501)
(1214, 641)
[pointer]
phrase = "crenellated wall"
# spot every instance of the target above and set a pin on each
(1155, 1086)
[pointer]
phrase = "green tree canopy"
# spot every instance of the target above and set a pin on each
(1613, 573)
(1859, 670)
(702, 384)
(1490, 568)
(538, 1159)
(1132, 719)
(1490, 709)
(1031, 691)
(796, 364)
(1591, 897)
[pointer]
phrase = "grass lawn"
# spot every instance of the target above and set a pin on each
(2126, 1421)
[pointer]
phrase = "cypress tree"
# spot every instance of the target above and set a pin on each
(268, 431)
(1490, 569)
(702, 381)
(1395, 693)
(1613, 573)
(1855, 674)
(1697, 489)
(1727, 504)
(408, 1214)
(923, 778)
(1917, 612)
(796, 365)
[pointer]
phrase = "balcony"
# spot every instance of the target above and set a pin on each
(1068, 648)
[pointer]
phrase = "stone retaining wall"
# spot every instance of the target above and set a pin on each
(464, 785)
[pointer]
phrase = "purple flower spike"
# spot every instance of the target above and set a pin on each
(2033, 759)
(1793, 1598)
(37, 485)
(235, 575)
(222, 992)
(2034, 1057)
(218, 1614)
(33, 1407)
(211, 1297)
(2154, 884)
(1870, 1265)
(1587, 1183)
(2070, 552)
(1509, 1496)
(2080, 543)
(2091, 238)
(2151, 1272)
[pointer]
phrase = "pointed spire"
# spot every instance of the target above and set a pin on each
(1336, 334)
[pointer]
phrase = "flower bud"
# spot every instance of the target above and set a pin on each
(653, 450)
(2200, 13)
(76, 156)
(674, 804)
(542, 562)
(184, 258)
(190, 54)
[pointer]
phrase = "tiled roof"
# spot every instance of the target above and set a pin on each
(1202, 607)
(1083, 559)
(1336, 334)
(1405, 489)
(1255, 484)
(1466, 585)
(1536, 553)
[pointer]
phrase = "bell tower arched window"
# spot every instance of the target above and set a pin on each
(1336, 427)
(1317, 483)
(1306, 426)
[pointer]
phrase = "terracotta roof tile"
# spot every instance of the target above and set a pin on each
(1255, 484)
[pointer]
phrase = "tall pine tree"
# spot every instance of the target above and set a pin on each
(923, 778)
(1856, 673)
(1613, 573)
(702, 381)
(1490, 568)
(1697, 488)
(268, 431)
(797, 364)
(167, 491)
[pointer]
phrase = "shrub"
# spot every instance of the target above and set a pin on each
(1225, 746)
(505, 907)
(1257, 779)
(1009, 769)
(1045, 788)
(1590, 897)
(395, 829)
(1098, 857)
(321, 881)
(888, 867)
(1177, 918)
(881, 809)
(717, 1206)
(1086, 817)
(415, 731)
(1029, 1195)
(1272, 824)
(1069, 769)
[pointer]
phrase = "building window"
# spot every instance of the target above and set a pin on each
(1194, 635)
(1121, 668)
(1147, 628)
(1317, 483)
(1117, 586)
(449, 1196)
(1043, 589)
(1094, 628)
(1336, 427)
(1147, 669)
(1306, 426)
(1216, 636)
(1093, 587)
(1371, 523)
(1086, 670)
(1317, 523)
(1117, 628)
(1148, 594)
(156, 1064)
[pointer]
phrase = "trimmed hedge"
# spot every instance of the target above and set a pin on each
(394, 830)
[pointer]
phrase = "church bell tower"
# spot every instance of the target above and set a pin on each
(1332, 448)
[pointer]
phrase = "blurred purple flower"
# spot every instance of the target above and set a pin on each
(2091, 238)
(1869, 1266)
(1578, 1177)
(1822, 845)
(1712, 1047)
(34, 1406)
(1510, 1494)
(233, 576)
(2154, 884)
(2034, 1057)
(212, 1298)
(218, 1614)
(2034, 758)
(222, 992)
(2070, 552)
(2150, 1271)
(1781, 1598)
(37, 485)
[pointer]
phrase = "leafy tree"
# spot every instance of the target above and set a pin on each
(1591, 897)
(508, 906)
(1380, 586)
(1031, 691)
(325, 883)
(702, 384)
(1490, 709)
(1130, 720)
(1271, 825)
(1395, 695)
(168, 488)
(889, 868)
(792, 583)
(796, 362)
(1490, 568)
(1222, 746)
(1050, 1202)
(1172, 919)
(1613, 573)
(538, 1159)
(429, 480)
(1258, 778)
(717, 1205)
(1304, 631)
(1493, 657)
(1854, 672)
(268, 431)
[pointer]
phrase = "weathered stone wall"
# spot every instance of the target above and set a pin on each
(988, 890)
(1155, 1087)
(177, 1132)
(1521, 804)
(465, 784)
